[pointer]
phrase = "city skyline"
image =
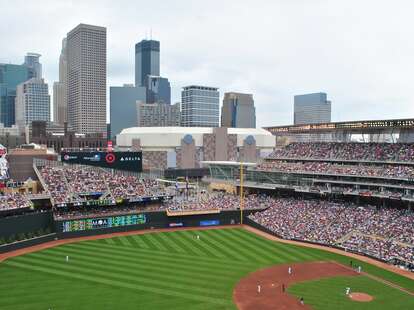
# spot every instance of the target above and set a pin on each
(363, 65)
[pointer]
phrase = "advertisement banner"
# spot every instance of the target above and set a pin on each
(131, 161)
(210, 223)
(176, 225)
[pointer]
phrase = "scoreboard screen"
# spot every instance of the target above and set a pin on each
(104, 222)
(131, 161)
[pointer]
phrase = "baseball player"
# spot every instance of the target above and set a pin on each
(198, 237)
(290, 270)
(67, 258)
(347, 290)
(258, 288)
(359, 269)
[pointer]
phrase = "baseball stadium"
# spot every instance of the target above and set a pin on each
(324, 221)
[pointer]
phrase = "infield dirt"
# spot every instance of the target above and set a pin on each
(274, 282)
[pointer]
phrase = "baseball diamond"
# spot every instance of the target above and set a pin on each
(191, 269)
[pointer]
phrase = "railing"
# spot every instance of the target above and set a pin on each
(192, 212)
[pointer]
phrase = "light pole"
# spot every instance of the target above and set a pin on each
(241, 193)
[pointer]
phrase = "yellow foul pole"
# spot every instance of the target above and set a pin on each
(241, 193)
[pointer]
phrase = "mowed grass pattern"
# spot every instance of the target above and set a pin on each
(169, 270)
(329, 293)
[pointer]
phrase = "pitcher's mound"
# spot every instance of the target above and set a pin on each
(362, 297)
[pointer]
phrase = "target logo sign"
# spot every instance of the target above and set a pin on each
(110, 158)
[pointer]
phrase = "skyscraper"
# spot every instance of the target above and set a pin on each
(123, 106)
(32, 102)
(311, 109)
(86, 82)
(158, 89)
(60, 105)
(147, 60)
(238, 111)
(10, 77)
(200, 106)
(147, 72)
(31, 61)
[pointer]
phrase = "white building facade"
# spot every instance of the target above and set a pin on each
(32, 102)
(200, 106)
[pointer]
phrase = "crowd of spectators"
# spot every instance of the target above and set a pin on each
(56, 184)
(85, 180)
(90, 212)
(72, 184)
(217, 201)
(398, 152)
(383, 233)
(129, 186)
(13, 200)
(382, 171)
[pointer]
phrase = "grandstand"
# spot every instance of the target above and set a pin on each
(354, 196)
(76, 184)
(381, 170)
(385, 233)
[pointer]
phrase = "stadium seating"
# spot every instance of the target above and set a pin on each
(217, 201)
(71, 184)
(383, 233)
(10, 201)
(393, 152)
(383, 171)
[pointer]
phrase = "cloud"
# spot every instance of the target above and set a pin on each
(359, 52)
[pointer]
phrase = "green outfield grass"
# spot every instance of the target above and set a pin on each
(174, 270)
(329, 293)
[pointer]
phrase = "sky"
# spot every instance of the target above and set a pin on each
(359, 52)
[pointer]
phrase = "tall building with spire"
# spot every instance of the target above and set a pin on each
(60, 103)
(147, 60)
(147, 72)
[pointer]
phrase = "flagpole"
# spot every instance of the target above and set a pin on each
(241, 193)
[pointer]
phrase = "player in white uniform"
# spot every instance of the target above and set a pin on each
(290, 270)
(67, 258)
(347, 290)
(259, 288)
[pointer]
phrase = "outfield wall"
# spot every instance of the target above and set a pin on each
(27, 243)
(34, 222)
(155, 220)
(28, 223)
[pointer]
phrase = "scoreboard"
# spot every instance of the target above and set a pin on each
(131, 161)
(104, 222)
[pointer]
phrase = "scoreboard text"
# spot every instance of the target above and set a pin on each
(105, 222)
